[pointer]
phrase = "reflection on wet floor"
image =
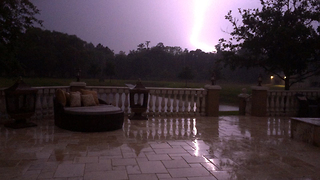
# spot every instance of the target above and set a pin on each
(189, 148)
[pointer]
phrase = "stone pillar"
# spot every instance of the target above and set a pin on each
(212, 100)
(243, 101)
(259, 101)
(76, 86)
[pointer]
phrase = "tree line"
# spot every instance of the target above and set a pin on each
(44, 53)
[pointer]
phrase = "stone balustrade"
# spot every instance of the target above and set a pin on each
(280, 102)
(162, 101)
(285, 103)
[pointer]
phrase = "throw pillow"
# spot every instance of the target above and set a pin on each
(87, 100)
(94, 94)
(61, 97)
(75, 99)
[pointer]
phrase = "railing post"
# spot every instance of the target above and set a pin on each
(212, 100)
(259, 101)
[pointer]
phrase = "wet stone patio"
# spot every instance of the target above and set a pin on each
(201, 148)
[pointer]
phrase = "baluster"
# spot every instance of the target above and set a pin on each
(180, 103)
(271, 103)
(45, 102)
(198, 103)
(192, 111)
(38, 104)
(100, 93)
(108, 94)
(50, 103)
(114, 98)
(174, 109)
(163, 103)
(169, 104)
(203, 103)
(126, 101)
(293, 104)
(288, 104)
(157, 92)
(186, 102)
(268, 103)
(151, 101)
(276, 107)
(120, 98)
(282, 103)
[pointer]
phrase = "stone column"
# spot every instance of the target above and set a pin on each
(76, 86)
(259, 101)
(212, 100)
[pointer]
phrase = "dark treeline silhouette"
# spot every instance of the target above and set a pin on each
(43, 53)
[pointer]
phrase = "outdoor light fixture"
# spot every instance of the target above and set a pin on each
(271, 77)
(138, 101)
(20, 104)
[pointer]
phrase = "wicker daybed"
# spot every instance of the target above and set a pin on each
(94, 118)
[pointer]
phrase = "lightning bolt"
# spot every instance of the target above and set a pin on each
(200, 8)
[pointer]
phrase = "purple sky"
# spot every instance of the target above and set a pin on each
(123, 24)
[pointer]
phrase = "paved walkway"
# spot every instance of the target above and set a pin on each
(203, 148)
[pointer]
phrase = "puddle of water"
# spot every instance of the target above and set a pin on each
(228, 108)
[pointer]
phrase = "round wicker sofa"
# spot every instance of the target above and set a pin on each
(102, 117)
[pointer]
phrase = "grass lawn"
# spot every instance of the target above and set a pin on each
(228, 94)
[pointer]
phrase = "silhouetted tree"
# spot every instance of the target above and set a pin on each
(16, 16)
(281, 37)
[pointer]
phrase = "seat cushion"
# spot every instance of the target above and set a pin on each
(101, 109)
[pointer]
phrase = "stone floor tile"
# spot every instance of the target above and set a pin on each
(133, 169)
(195, 159)
(189, 172)
(157, 157)
(104, 166)
(82, 160)
(160, 146)
(152, 167)
(178, 150)
(209, 166)
(173, 178)
(123, 162)
(175, 164)
(206, 178)
(224, 163)
(143, 177)
(46, 175)
(106, 175)
(69, 170)
(163, 176)
(118, 167)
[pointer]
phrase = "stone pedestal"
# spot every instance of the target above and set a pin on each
(243, 101)
(259, 101)
(212, 100)
(306, 130)
(76, 86)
